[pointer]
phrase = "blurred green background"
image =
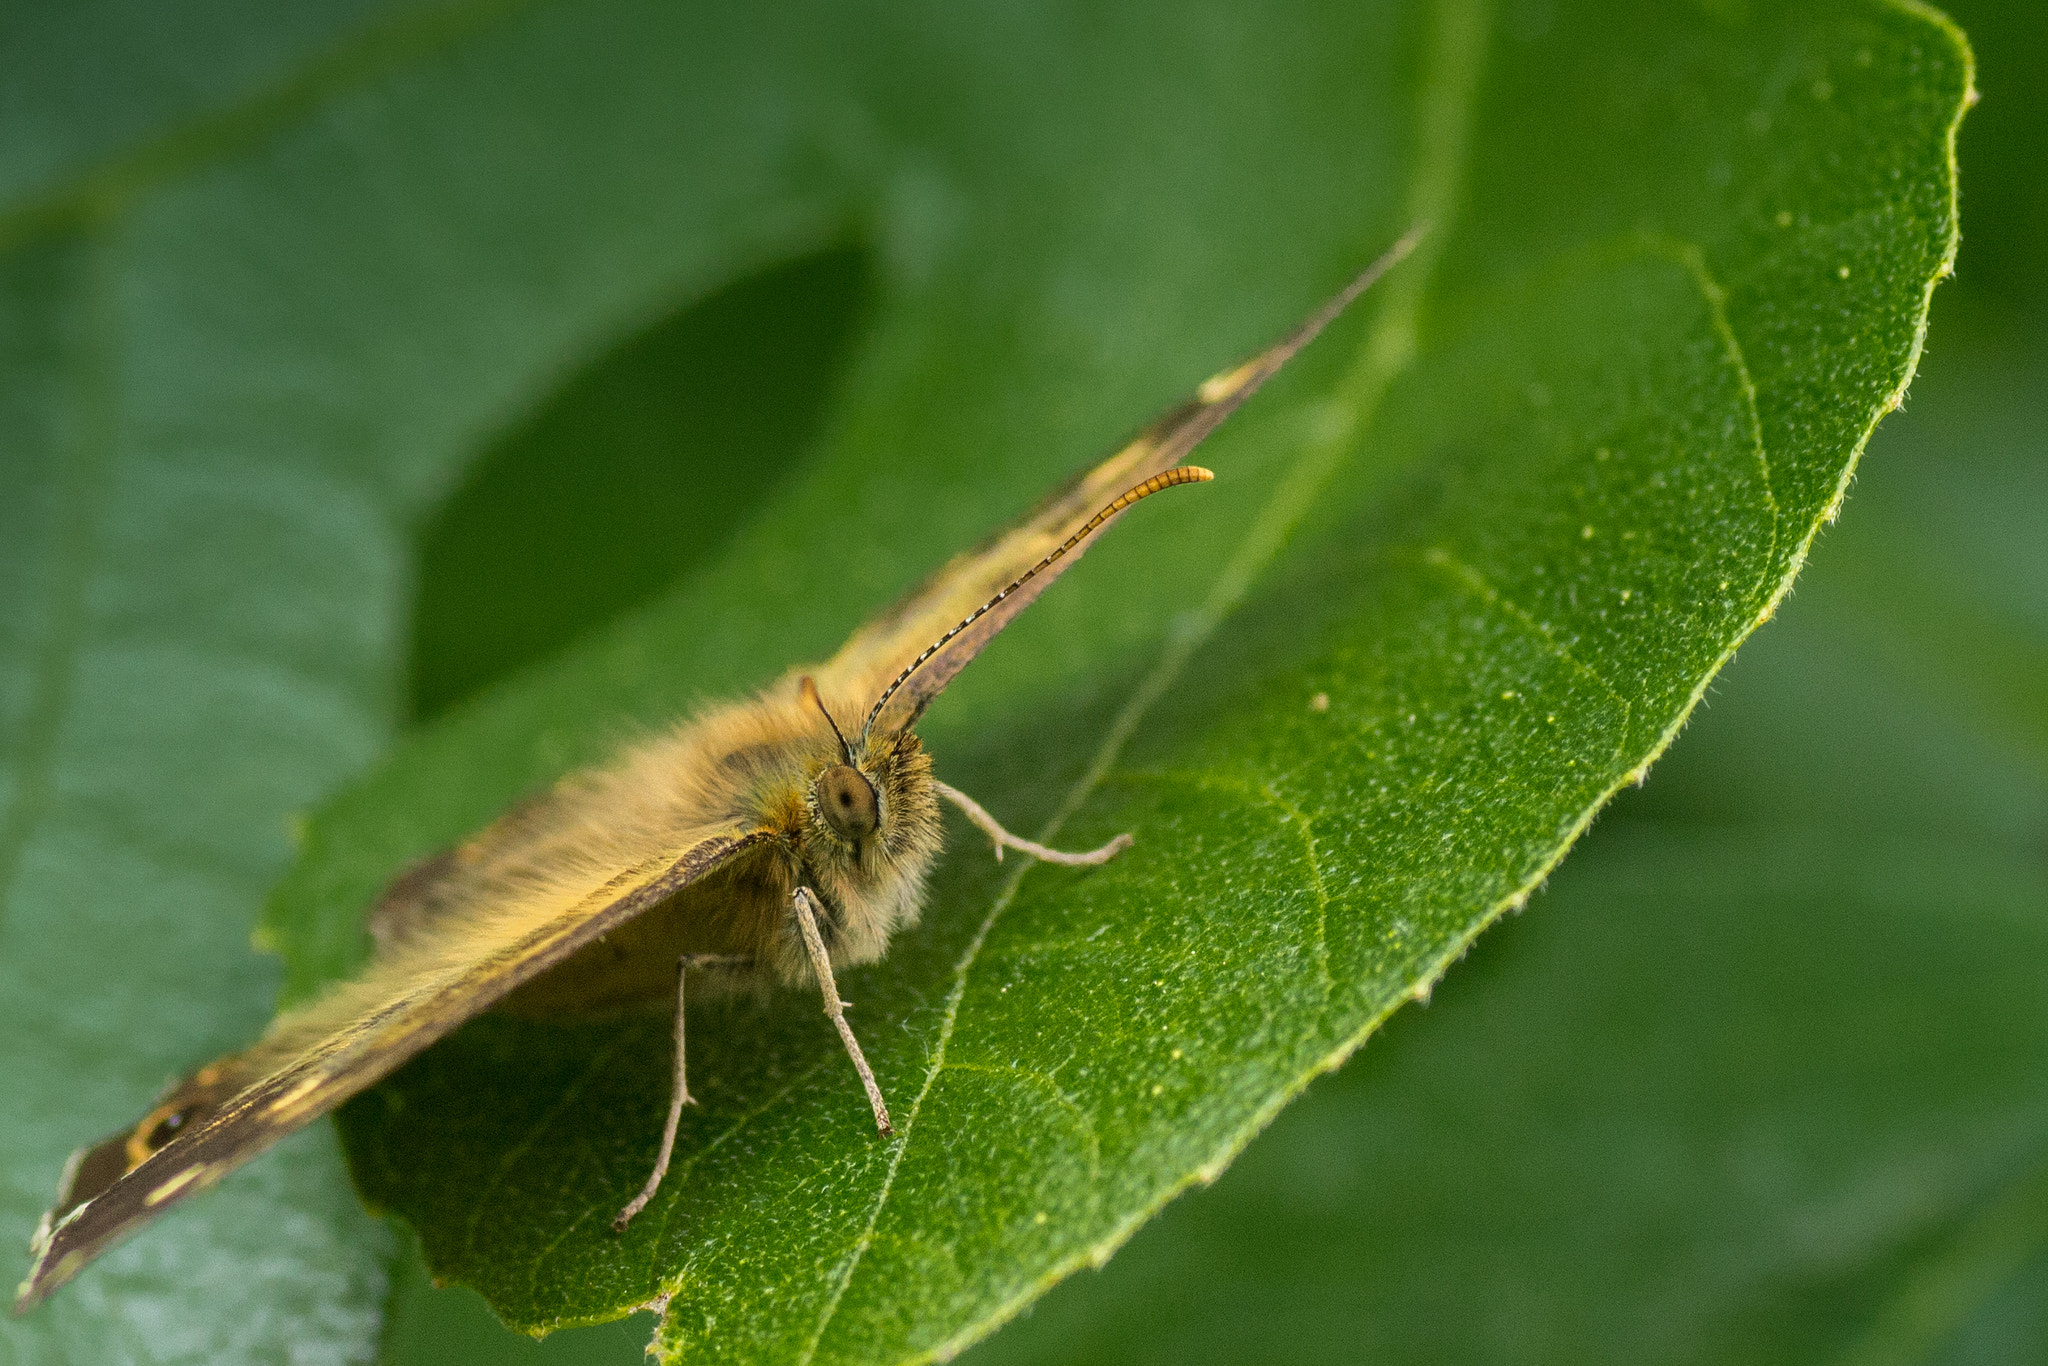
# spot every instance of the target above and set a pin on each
(1759, 1078)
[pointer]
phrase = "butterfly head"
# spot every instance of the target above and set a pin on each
(872, 798)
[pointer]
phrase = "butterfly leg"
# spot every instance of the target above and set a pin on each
(679, 1090)
(993, 828)
(805, 904)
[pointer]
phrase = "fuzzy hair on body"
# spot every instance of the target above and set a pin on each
(750, 766)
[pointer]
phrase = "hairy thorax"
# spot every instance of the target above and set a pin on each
(761, 777)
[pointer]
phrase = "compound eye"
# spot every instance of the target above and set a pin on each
(848, 802)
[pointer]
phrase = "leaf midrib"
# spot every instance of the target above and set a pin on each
(105, 188)
(1448, 93)
(82, 468)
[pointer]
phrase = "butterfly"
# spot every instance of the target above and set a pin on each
(769, 841)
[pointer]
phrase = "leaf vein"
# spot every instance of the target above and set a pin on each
(1449, 92)
(82, 473)
(102, 191)
(1476, 583)
(591, 1067)
(1693, 259)
(567, 1182)
(1062, 1098)
(1262, 794)
(683, 1168)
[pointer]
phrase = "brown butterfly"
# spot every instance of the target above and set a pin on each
(771, 840)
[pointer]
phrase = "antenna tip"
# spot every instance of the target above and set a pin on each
(1195, 474)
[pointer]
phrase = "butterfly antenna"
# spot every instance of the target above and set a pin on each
(807, 689)
(1179, 474)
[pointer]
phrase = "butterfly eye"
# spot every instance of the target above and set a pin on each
(847, 802)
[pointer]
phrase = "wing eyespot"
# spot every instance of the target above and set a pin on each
(167, 1128)
(158, 1128)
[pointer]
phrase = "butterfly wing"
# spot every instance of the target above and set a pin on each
(313, 1059)
(882, 650)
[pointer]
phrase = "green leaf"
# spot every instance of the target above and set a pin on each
(179, 668)
(1716, 1098)
(1758, 1079)
(1697, 244)
(1528, 500)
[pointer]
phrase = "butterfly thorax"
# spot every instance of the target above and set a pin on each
(857, 824)
(747, 769)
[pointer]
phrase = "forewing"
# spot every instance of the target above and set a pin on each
(315, 1059)
(883, 648)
